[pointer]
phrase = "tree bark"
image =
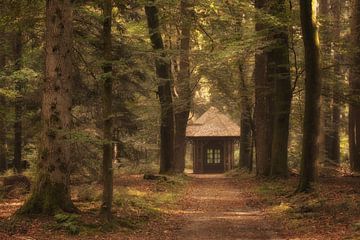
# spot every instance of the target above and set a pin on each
(279, 73)
(163, 73)
(107, 114)
(245, 123)
(3, 160)
(354, 108)
(51, 192)
(334, 150)
(183, 102)
(17, 52)
(330, 140)
(310, 148)
(262, 111)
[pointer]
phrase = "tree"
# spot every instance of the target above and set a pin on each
(183, 102)
(279, 73)
(51, 191)
(246, 141)
(310, 148)
(334, 146)
(107, 113)
(163, 73)
(330, 31)
(262, 111)
(354, 108)
(3, 160)
(17, 53)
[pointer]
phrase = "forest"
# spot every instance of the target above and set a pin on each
(179, 119)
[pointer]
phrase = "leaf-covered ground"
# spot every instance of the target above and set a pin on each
(239, 206)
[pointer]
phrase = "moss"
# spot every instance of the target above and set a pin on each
(48, 198)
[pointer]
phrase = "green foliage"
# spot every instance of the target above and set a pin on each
(68, 222)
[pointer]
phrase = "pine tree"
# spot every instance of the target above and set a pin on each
(51, 192)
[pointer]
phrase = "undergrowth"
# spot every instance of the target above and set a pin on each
(133, 205)
(331, 205)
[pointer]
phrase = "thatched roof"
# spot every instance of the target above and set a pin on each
(213, 123)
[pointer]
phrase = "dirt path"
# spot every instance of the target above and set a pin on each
(215, 207)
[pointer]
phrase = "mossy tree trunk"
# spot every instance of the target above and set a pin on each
(107, 113)
(183, 102)
(163, 73)
(51, 192)
(263, 95)
(279, 73)
(354, 108)
(17, 54)
(310, 148)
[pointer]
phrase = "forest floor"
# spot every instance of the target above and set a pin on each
(232, 206)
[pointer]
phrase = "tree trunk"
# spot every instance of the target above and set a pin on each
(51, 192)
(17, 52)
(183, 102)
(330, 143)
(279, 73)
(107, 114)
(334, 151)
(310, 150)
(163, 73)
(245, 123)
(325, 117)
(3, 160)
(354, 108)
(262, 111)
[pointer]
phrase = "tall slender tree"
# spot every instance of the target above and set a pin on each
(246, 156)
(330, 31)
(163, 73)
(17, 53)
(107, 112)
(334, 148)
(184, 96)
(310, 148)
(3, 160)
(354, 108)
(51, 191)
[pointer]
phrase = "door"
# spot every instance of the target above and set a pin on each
(214, 159)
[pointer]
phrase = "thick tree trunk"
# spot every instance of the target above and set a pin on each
(245, 123)
(354, 108)
(183, 103)
(3, 160)
(51, 192)
(310, 150)
(262, 112)
(279, 72)
(107, 114)
(163, 73)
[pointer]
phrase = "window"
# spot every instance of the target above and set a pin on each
(210, 156)
(217, 157)
(213, 156)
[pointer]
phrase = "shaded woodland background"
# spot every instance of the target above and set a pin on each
(89, 88)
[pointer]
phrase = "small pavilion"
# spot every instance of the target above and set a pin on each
(212, 137)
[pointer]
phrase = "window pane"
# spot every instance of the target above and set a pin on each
(217, 156)
(210, 156)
